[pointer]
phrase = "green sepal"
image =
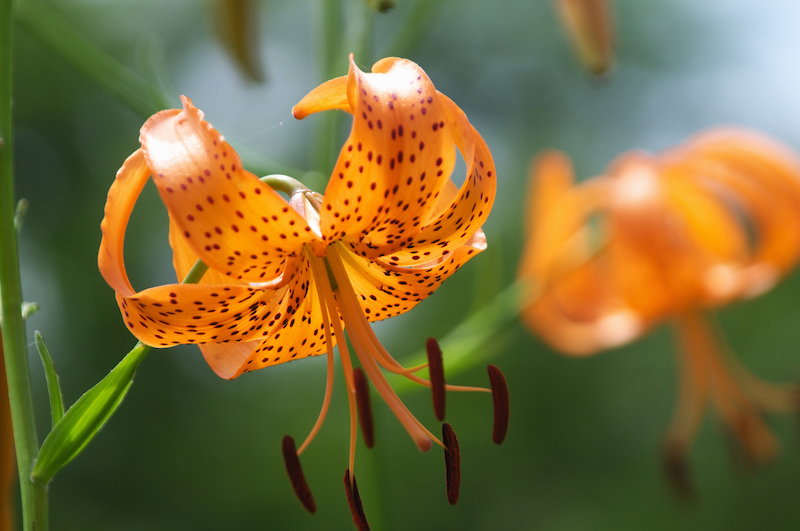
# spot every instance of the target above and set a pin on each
(84, 419)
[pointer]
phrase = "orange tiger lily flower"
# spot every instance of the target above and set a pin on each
(667, 237)
(286, 279)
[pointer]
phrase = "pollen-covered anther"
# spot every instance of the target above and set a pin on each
(354, 501)
(364, 407)
(452, 462)
(500, 399)
(436, 369)
(677, 470)
(295, 473)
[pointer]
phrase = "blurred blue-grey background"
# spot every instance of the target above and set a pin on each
(189, 451)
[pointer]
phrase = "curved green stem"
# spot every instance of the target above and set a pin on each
(466, 345)
(285, 184)
(34, 497)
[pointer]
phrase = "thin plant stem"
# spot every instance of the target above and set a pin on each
(34, 497)
(331, 57)
(467, 344)
(412, 28)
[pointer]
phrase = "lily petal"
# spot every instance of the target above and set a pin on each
(468, 210)
(385, 290)
(235, 223)
(184, 258)
(122, 196)
(191, 313)
(296, 326)
(330, 95)
(399, 155)
(225, 359)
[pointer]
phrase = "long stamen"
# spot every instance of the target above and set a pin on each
(295, 473)
(734, 406)
(321, 275)
(361, 325)
(693, 389)
(364, 407)
(421, 436)
(329, 380)
(350, 310)
(436, 367)
(354, 501)
(500, 400)
(452, 462)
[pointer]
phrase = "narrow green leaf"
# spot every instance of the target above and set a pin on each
(83, 420)
(53, 387)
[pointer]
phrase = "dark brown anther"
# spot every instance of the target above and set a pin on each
(295, 472)
(677, 471)
(364, 407)
(500, 399)
(452, 462)
(354, 501)
(436, 368)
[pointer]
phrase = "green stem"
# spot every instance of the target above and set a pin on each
(34, 497)
(195, 273)
(285, 184)
(467, 344)
(331, 58)
(412, 28)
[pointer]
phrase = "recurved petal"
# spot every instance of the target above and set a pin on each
(295, 328)
(465, 214)
(231, 220)
(581, 315)
(184, 258)
(399, 155)
(764, 176)
(330, 95)
(557, 216)
(226, 358)
(385, 290)
(122, 196)
(192, 313)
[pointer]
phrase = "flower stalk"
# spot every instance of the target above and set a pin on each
(34, 497)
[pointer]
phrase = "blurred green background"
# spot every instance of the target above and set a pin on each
(189, 451)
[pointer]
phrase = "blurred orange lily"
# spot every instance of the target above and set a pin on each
(286, 278)
(667, 237)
